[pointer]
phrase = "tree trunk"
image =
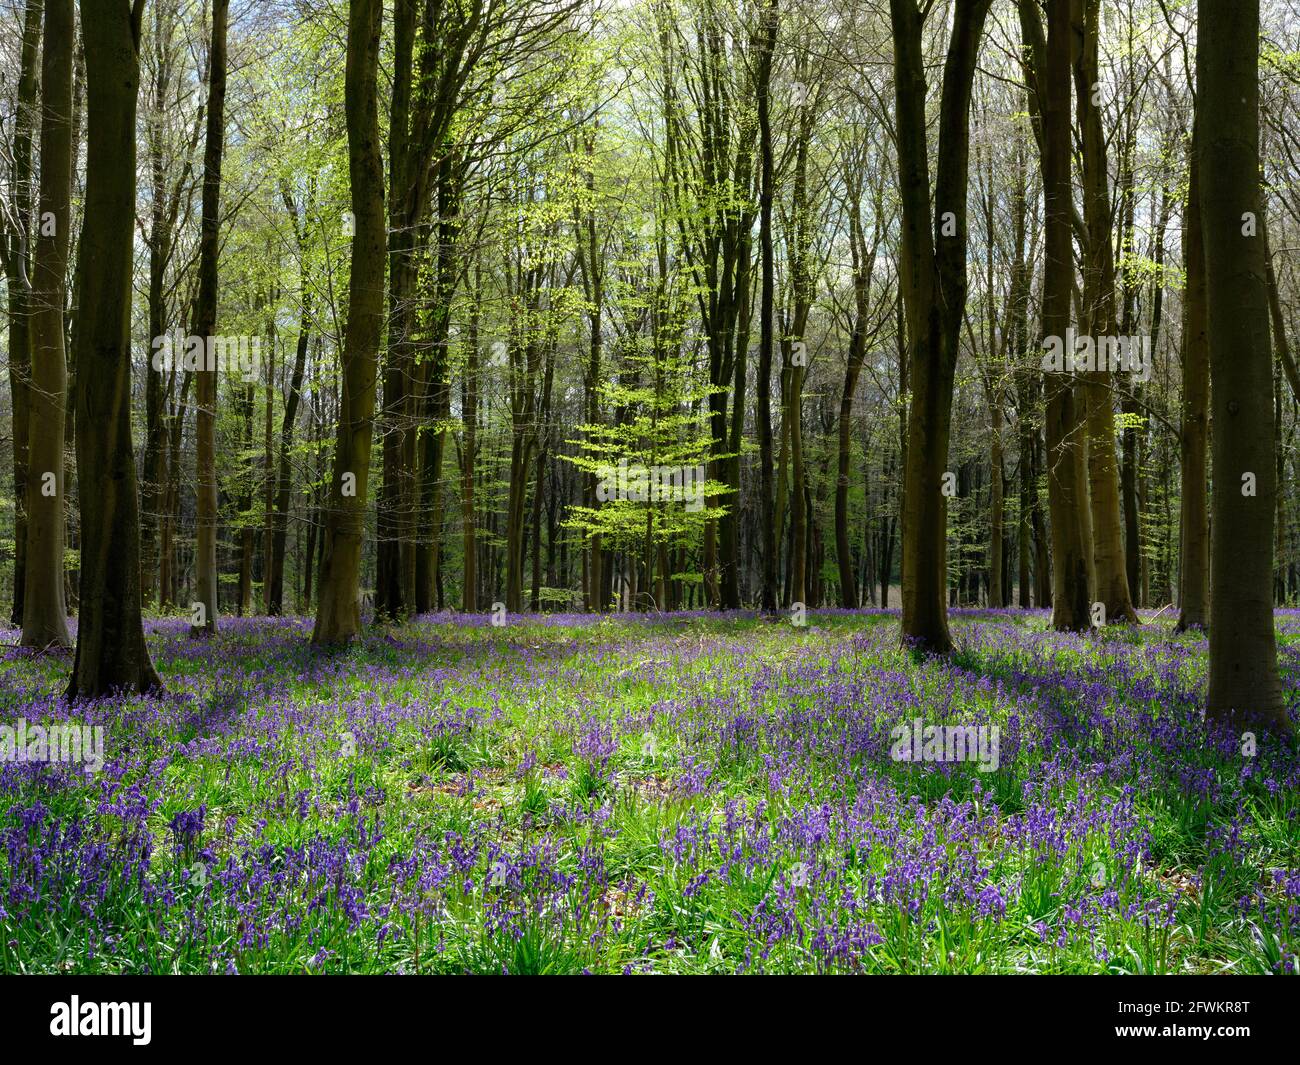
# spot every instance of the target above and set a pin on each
(1111, 575)
(396, 500)
(1244, 685)
(338, 614)
(996, 487)
(592, 268)
(469, 419)
(1194, 517)
(111, 652)
(539, 488)
(245, 505)
(933, 281)
(283, 486)
(521, 442)
(1026, 375)
(167, 574)
(18, 285)
(205, 326)
(45, 622)
(766, 46)
(1066, 481)
(862, 265)
(802, 533)
(426, 575)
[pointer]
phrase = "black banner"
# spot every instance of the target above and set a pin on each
(143, 1015)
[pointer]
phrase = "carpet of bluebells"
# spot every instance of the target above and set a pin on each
(685, 793)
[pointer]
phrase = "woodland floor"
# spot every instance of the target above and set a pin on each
(677, 794)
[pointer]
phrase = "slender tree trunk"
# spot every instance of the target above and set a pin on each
(1111, 574)
(862, 264)
(1018, 331)
(1024, 532)
(521, 441)
(153, 487)
(729, 524)
(279, 521)
(1067, 480)
(538, 506)
(1135, 415)
(539, 488)
(396, 500)
(269, 479)
(18, 265)
(245, 505)
(933, 282)
(169, 570)
(592, 267)
(996, 473)
(205, 326)
(767, 44)
(45, 622)
(1194, 435)
(469, 418)
(436, 399)
(315, 523)
(338, 614)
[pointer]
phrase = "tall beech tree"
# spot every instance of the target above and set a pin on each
(111, 652)
(932, 276)
(766, 45)
(44, 601)
(590, 255)
(205, 326)
(279, 516)
(17, 249)
(338, 610)
(1194, 432)
(1110, 572)
(411, 142)
(1067, 485)
(1244, 684)
(864, 257)
(801, 569)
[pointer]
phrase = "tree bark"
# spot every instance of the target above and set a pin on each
(1072, 568)
(469, 419)
(205, 326)
(338, 614)
(407, 203)
(45, 622)
(933, 281)
(244, 503)
(1111, 575)
(280, 515)
(766, 46)
(1194, 435)
(863, 260)
(111, 652)
(1244, 686)
(18, 264)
